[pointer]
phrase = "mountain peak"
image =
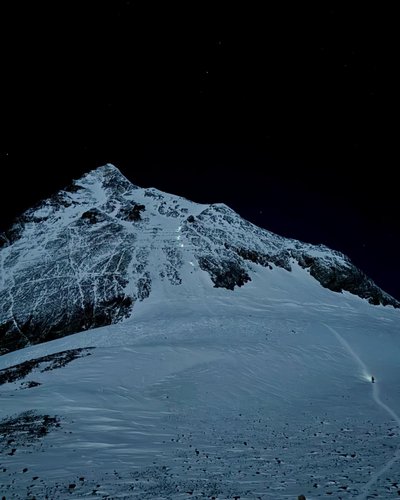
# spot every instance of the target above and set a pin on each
(87, 256)
(106, 176)
(108, 167)
(105, 171)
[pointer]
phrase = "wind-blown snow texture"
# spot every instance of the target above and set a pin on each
(210, 394)
(86, 256)
(261, 392)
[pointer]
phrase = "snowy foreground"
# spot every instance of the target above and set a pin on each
(215, 394)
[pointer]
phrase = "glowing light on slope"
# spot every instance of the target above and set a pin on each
(367, 377)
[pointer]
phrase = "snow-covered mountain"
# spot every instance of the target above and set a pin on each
(208, 363)
(87, 256)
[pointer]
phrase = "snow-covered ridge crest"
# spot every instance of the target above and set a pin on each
(84, 257)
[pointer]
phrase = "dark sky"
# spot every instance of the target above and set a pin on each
(285, 114)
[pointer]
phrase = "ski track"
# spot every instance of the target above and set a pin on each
(375, 395)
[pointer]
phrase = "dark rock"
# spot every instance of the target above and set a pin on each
(345, 276)
(60, 199)
(52, 361)
(114, 181)
(144, 287)
(224, 274)
(29, 384)
(93, 216)
(24, 429)
(71, 318)
(253, 256)
(131, 212)
(73, 188)
(281, 259)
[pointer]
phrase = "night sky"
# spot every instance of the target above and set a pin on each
(286, 115)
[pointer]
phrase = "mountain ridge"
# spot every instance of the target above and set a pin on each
(85, 256)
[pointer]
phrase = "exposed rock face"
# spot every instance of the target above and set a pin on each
(84, 257)
(346, 277)
(239, 241)
(224, 274)
(42, 364)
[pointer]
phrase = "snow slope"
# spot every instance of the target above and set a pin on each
(157, 348)
(89, 255)
(261, 392)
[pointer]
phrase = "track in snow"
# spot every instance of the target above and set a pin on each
(379, 402)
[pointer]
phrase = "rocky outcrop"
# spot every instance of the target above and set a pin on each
(42, 364)
(25, 429)
(346, 277)
(223, 273)
(221, 229)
